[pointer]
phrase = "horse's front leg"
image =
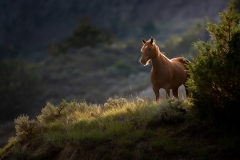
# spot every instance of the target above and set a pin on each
(167, 89)
(156, 91)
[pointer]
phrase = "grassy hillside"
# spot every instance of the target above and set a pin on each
(119, 129)
(205, 126)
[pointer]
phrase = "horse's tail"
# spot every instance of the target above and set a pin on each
(185, 61)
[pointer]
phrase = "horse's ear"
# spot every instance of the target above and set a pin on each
(151, 40)
(143, 41)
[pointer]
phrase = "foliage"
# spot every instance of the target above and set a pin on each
(51, 113)
(215, 72)
(85, 34)
(127, 129)
(115, 103)
(25, 127)
(20, 153)
(20, 89)
(117, 117)
(171, 112)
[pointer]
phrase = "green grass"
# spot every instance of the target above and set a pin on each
(120, 128)
(115, 119)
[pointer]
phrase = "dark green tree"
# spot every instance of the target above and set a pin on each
(85, 34)
(215, 73)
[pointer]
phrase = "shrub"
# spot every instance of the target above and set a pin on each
(77, 106)
(115, 103)
(215, 72)
(25, 127)
(170, 112)
(20, 152)
(65, 111)
(49, 114)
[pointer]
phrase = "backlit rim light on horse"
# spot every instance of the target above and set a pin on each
(165, 73)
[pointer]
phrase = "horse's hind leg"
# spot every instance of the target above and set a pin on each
(175, 93)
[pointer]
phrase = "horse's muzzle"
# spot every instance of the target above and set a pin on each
(142, 61)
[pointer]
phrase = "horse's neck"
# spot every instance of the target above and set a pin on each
(160, 60)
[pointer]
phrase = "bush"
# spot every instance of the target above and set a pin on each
(25, 127)
(51, 113)
(215, 73)
(170, 112)
(115, 103)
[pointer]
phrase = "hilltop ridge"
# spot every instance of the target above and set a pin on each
(119, 129)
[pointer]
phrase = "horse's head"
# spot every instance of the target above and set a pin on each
(148, 51)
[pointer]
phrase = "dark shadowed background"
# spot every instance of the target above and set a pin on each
(88, 50)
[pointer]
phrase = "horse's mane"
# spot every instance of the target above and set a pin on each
(161, 53)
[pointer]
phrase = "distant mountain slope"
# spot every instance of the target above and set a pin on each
(27, 24)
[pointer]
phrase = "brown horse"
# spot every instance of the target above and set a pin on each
(167, 74)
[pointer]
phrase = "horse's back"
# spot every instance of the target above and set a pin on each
(181, 60)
